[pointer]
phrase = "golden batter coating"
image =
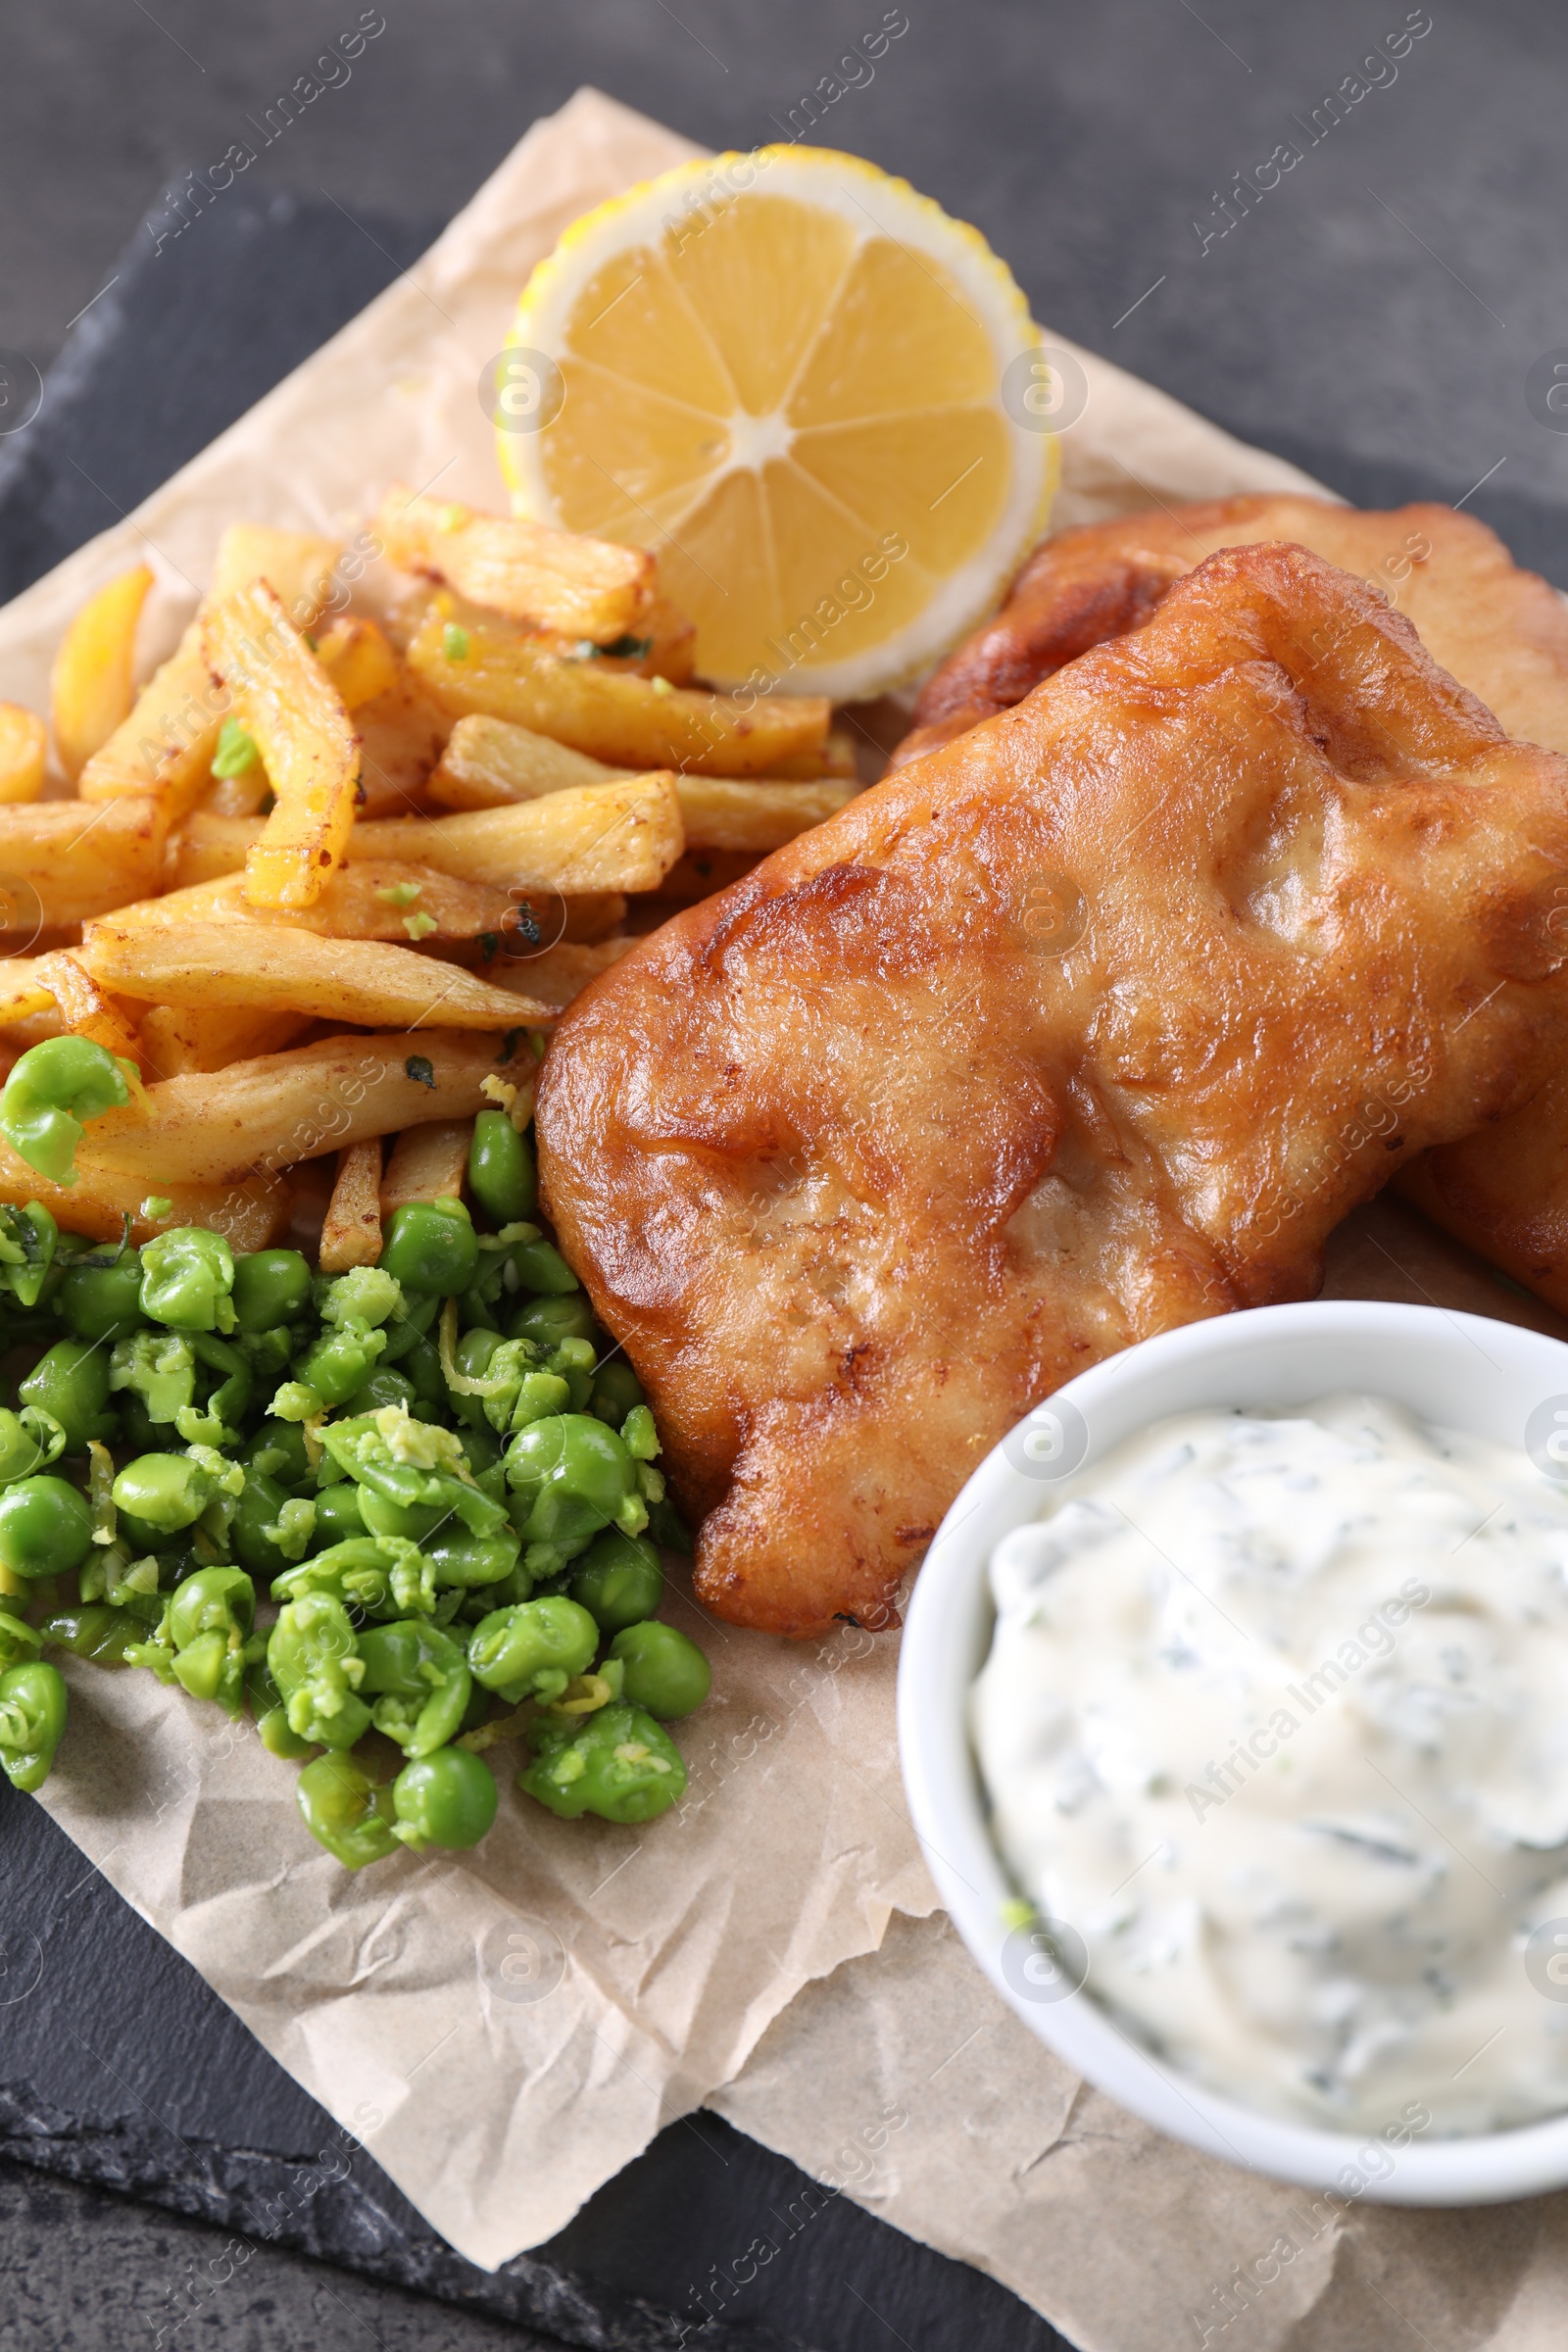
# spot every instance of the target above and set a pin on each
(1091, 1024)
(1500, 631)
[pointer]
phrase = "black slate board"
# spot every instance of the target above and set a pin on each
(162, 2094)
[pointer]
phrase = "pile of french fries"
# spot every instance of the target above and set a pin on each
(326, 876)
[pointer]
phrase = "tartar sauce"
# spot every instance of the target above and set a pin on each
(1275, 1721)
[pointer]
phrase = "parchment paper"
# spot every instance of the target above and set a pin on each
(504, 2031)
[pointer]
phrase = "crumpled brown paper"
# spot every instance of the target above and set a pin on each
(504, 2031)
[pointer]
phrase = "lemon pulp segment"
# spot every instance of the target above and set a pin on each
(792, 393)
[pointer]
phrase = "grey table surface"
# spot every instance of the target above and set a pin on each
(1386, 314)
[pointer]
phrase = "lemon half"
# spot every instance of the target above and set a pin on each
(789, 374)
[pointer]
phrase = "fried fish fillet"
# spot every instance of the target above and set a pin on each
(1500, 631)
(1503, 1192)
(1092, 1024)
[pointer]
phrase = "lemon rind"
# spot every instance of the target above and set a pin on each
(964, 597)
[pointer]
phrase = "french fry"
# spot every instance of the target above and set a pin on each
(359, 660)
(30, 1030)
(582, 588)
(260, 1116)
(663, 645)
(277, 968)
(428, 1164)
(90, 689)
(560, 972)
(178, 1039)
(165, 745)
(727, 812)
(207, 846)
(489, 763)
(295, 714)
(835, 759)
(210, 847)
(477, 666)
(23, 748)
(401, 736)
(671, 643)
(85, 1009)
(607, 837)
(296, 565)
(351, 1232)
(61, 863)
(399, 903)
(23, 991)
(250, 1215)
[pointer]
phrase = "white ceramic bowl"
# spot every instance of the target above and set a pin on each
(1461, 1371)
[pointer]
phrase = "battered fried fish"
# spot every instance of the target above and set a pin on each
(1503, 1192)
(1500, 631)
(1091, 1024)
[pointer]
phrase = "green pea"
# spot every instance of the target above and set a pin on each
(340, 1362)
(30, 1442)
(448, 1798)
(617, 1763)
(532, 1650)
(619, 1582)
(477, 1308)
(346, 1811)
(541, 1268)
(32, 1716)
(45, 1527)
(207, 1621)
(472, 1561)
(501, 1169)
(270, 1287)
(52, 1092)
(414, 1522)
(29, 1241)
(96, 1630)
(257, 1509)
(413, 1325)
(483, 1449)
(71, 1381)
(338, 1516)
(383, 1387)
(407, 1659)
(19, 1641)
(422, 1365)
(160, 1368)
(102, 1300)
(140, 1432)
(277, 1450)
(664, 1671)
(272, 1720)
(471, 1360)
(547, 1320)
(430, 1247)
(213, 1600)
(617, 1390)
(573, 1476)
(420, 1725)
(158, 1495)
(187, 1275)
(312, 1658)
